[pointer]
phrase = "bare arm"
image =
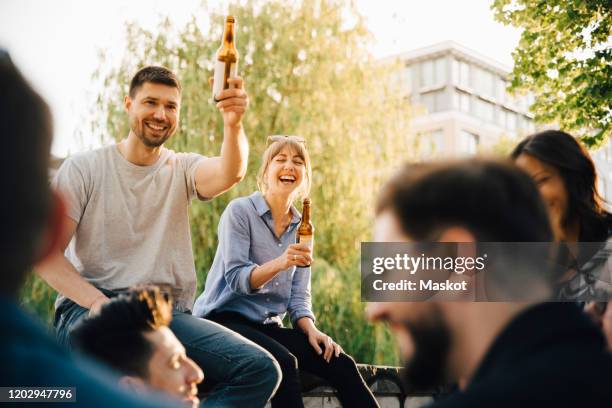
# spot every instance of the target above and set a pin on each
(265, 272)
(295, 255)
(216, 175)
(61, 275)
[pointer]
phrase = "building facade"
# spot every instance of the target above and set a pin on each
(460, 101)
(461, 106)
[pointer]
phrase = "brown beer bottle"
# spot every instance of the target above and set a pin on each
(305, 231)
(226, 59)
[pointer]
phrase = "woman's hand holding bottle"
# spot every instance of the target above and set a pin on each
(295, 255)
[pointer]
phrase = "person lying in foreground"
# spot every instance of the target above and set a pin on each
(131, 335)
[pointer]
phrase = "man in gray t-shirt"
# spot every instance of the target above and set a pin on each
(128, 225)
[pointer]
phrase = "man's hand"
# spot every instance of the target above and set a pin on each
(97, 304)
(233, 102)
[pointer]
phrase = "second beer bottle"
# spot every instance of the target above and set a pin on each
(226, 59)
(305, 231)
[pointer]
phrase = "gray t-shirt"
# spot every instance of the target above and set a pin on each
(133, 221)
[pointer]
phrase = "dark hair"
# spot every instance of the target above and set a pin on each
(577, 170)
(25, 122)
(156, 75)
(492, 199)
(116, 336)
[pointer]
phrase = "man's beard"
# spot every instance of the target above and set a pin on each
(140, 130)
(428, 366)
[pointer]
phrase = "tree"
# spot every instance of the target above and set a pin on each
(565, 57)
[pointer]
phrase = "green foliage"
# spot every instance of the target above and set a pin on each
(308, 71)
(564, 57)
(38, 297)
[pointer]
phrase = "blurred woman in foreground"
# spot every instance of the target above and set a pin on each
(567, 180)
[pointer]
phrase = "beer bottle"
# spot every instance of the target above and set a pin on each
(226, 59)
(305, 231)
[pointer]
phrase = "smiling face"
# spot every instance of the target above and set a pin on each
(170, 369)
(285, 168)
(153, 113)
(285, 173)
(551, 187)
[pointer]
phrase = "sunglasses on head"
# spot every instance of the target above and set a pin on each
(278, 138)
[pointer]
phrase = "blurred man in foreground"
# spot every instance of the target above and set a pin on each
(505, 354)
(31, 219)
(131, 335)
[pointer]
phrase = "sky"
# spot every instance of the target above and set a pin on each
(56, 43)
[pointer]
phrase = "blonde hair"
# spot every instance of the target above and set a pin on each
(278, 143)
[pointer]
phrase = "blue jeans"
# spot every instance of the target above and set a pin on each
(246, 374)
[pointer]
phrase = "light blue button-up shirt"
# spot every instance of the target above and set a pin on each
(247, 240)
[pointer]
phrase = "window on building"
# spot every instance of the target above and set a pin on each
(454, 71)
(484, 110)
(479, 80)
(530, 125)
(500, 117)
(427, 74)
(433, 73)
(431, 144)
(484, 82)
(465, 102)
(440, 67)
(512, 101)
(407, 78)
(428, 100)
(501, 90)
(468, 142)
(522, 103)
(437, 138)
(464, 74)
(511, 120)
(490, 84)
(434, 101)
(462, 101)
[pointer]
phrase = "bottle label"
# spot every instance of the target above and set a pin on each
(307, 240)
(222, 74)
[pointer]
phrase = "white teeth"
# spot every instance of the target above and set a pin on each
(287, 178)
(155, 127)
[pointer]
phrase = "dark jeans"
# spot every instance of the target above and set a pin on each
(245, 374)
(290, 347)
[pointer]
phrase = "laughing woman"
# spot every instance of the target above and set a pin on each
(259, 274)
(567, 179)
